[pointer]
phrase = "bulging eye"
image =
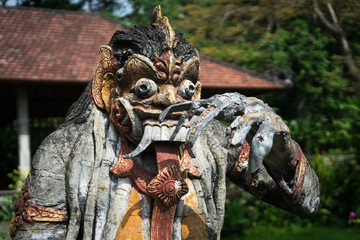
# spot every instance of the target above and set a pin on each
(145, 88)
(187, 89)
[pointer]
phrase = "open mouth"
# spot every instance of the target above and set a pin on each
(166, 131)
(145, 121)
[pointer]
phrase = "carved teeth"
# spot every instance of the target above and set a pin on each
(156, 132)
(165, 133)
(181, 136)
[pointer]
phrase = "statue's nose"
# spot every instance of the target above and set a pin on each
(166, 97)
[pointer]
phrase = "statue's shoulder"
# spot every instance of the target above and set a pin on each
(60, 142)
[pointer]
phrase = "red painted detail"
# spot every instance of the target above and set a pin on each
(131, 168)
(187, 165)
(27, 212)
(167, 157)
(162, 221)
(302, 165)
(166, 188)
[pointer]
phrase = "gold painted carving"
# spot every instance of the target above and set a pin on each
(34, 212)
(104, 72)
(27, 212)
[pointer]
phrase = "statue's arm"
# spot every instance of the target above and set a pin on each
(298, 193)
(41, 211)
(276, 170)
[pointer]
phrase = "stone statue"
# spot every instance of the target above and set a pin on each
(141, 156)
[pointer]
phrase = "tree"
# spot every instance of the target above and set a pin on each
(92, 5)
(56, 4)
(291, 41)
(281, 38)
(142, 10)
(334, 27)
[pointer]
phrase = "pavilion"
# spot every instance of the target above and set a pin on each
(48, 56)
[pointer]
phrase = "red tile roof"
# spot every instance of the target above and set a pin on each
(62, 46)
(38, 44)
(218, 74)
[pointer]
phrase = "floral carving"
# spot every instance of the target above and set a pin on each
(168, 186)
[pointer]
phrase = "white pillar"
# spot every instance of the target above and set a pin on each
(23, 129)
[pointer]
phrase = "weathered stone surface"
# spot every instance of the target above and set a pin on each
(141, 156)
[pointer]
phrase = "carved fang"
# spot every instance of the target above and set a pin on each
(136, 124)
(144, 143)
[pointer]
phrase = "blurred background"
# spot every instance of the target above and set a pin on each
(301, 57)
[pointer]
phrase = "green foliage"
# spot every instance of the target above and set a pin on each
(239, 211)
(244, 211)
(322, 109)
(39, 129)
(6, 202)
(281, 38)
(142, 10)
(18, 177)
(339, 177)
(355, 222)
(8, 151)
(57, 4)
(6, 209)
(98, 5)
(297, 233)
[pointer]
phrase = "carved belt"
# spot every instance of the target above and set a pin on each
(166, 187)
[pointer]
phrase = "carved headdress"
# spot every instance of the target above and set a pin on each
(143, 71)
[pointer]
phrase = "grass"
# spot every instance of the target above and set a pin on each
(4, 230)
(298, 233)
(273, 233)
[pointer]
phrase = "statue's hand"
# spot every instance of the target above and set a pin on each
(251, 120)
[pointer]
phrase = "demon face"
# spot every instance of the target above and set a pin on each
(142, 72)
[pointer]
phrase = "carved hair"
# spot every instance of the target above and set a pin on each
(147, 40)
(142, 39)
